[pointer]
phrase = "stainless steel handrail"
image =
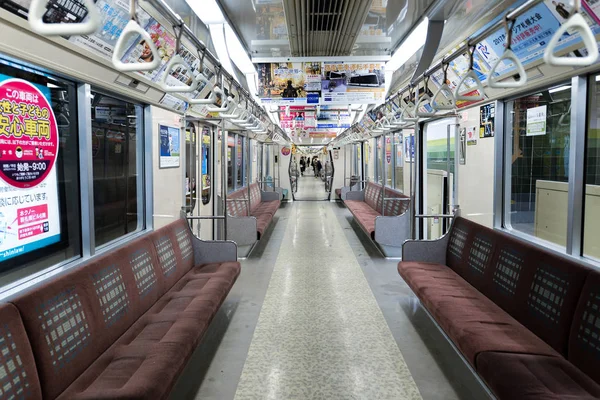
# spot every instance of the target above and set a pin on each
(206, 217)
(435, 216)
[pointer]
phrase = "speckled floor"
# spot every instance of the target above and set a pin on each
(321, 334)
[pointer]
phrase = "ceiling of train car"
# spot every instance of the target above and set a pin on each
(323, 28)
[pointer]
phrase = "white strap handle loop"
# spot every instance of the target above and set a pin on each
(493, 80)
(37, 24)
(409, 114)
(235, 113)
(478, 97)
(575, 21)
(183, 88)
(424, 100)
(133, 28)
(213, 91)
(224, 107)
(448, 99)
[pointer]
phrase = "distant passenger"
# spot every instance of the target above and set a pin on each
(319, 168)
(302, 165)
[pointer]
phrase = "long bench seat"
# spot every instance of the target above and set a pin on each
(385, 220)
(527, 320)
(122, 326)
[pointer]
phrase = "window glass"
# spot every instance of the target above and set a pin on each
(206, 165)
(539, 125)
(591, 228)
(230, 155)
(190, 167)
(117, 140)
(399, 162)
(389, 160)
(40, 224)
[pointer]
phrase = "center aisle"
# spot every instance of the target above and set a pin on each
(321, 333)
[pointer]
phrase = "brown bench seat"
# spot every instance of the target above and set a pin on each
(258, 205)
(385, 220)
(124, 325)
(524, 318)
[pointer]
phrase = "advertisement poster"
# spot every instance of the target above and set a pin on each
(486, 120)
(169, 146)
(472, 135)
(330, 118)
(29, 211)
(536, 121)
(270, 20)
(297, 118)
(289, 83)
(115, 15)
(388, 150)
(375, 22)
(353, 83)
(399, 151)
(409, 148)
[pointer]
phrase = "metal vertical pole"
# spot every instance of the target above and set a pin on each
(224, 176)
(383, 172)
(413, 182)
(86, 169)
(214, 152)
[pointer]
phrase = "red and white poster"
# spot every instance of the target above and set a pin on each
(29, 212)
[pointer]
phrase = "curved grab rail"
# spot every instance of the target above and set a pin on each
(233, 107)
(243, 118)
(133, 28)
(575, 21)
(183, 88)
(37, 24)
(408, 112)
(449, 104)
(471, 74)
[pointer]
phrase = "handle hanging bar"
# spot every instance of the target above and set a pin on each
(470, 74)
(175, 61)
(578, 23)
(409, 112)
(508, 55)
(424, 101)
(134, 28)
(444, 91)
(39, 7)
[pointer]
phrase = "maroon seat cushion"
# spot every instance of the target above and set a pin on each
(145, 362)
(364, 215)
(19, 378)
(338, 192)
(262, 222)
(238, 204)
(267, 207)
(534, 377)
(473, 322)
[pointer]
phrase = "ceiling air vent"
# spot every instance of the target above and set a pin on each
(324, 27)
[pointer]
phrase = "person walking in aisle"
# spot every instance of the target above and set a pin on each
(302, 165)
(319, 166)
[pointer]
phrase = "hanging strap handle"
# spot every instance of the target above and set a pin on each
(508, 55)
(39, 7)
(576, 22)
(470, 74)
(447, 103)
(410, 108)
(425, 100)
(176, 61)
(134, 28)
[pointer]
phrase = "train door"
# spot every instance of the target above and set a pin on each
(437, 177)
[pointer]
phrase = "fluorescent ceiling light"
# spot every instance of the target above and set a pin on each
(237, 53)
(217, 34)
(208, 11)
(559, 89)
(406, 50)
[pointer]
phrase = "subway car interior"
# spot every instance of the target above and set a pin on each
(300, 199)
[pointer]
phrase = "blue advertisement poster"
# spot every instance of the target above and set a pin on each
(169, 146)
(29, 208)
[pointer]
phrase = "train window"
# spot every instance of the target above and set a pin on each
(230, 155)
(39, 224)
(399, 162)
(389, 161)
(190, 167)
(240, 161)
(118, 138)
(591, 230)
(539, 163)
(206, 165)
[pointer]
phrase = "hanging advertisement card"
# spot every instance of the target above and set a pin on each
(29, 143)
(353, 83)
(462, 146)
(536, 121)
(270, 20)
(328, 118)
(487, 115)
(409, 148)
(288, 83)
(399, 151)
(169, 146)
(388, 150)
(472, 135)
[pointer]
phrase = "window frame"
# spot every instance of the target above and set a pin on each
(576, 173)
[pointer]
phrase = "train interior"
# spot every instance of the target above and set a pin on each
(300, 199)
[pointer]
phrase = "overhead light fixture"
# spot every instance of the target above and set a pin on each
(406, 50)
(208, 11)
(237, 53)
(559, 89)
(217, 34)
